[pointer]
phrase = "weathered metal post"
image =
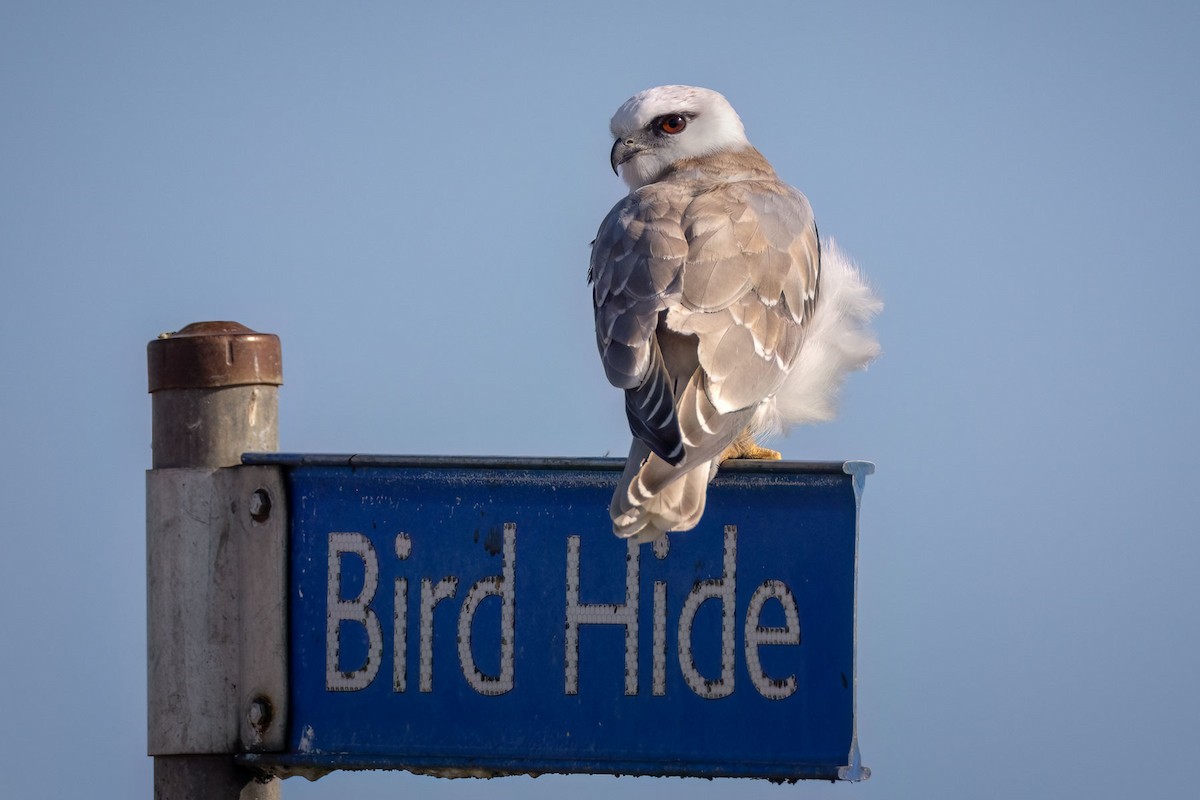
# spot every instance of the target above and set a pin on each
(215, 396)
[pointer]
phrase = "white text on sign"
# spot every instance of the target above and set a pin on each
(363, 611)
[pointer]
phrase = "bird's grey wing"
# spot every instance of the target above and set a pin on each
(750, 286)
(636, 271)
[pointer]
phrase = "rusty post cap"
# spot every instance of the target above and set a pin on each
(208, 355)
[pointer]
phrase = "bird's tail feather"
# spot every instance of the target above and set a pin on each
(652, 496)
(644, 515)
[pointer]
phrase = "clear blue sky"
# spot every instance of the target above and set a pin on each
(405, 194)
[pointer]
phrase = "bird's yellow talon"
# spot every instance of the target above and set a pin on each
(745, 447)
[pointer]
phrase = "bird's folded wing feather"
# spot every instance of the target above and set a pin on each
(636, 271)
(749, 287)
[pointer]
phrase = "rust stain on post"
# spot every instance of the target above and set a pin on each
(214, 387)
(209, 355)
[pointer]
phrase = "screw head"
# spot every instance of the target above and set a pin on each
(259, 715)
(260, 505)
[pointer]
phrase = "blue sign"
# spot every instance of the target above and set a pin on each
(478, 617)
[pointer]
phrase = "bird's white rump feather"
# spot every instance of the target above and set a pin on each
(837, 341)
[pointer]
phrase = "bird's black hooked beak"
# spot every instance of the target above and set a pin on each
(622, 151)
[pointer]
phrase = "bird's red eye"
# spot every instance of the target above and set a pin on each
(672, 123)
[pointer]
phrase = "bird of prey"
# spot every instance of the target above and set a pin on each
(718, 309)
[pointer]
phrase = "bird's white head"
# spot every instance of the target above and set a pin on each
(658, 127)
